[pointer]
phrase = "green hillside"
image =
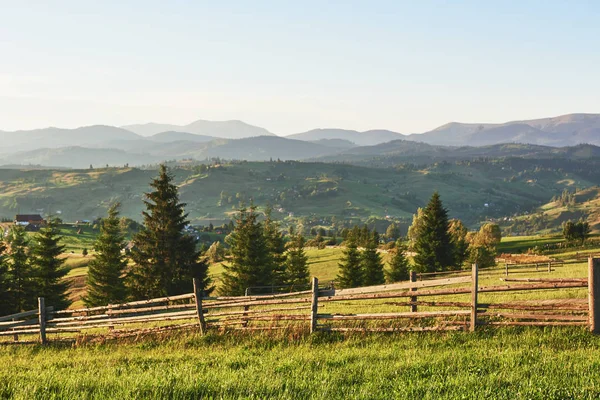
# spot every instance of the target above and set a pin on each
(314, 192)
(584, 204)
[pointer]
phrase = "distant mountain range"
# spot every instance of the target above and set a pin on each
(220, 129)
(200, 140)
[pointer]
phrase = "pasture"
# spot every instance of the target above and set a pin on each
(519, 363)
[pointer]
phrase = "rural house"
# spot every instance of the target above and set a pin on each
(31, 222)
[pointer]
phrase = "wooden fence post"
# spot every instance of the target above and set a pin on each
(474, 289)
(198, 300)
(314, 304)
(594, 294)
(42, 319)
(506, 268)
(413, 299)
(549, 266)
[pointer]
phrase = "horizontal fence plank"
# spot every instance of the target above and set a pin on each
(545, 317)
(402, 329)
(373, 296)
(276, 317)
(547, 280)
(257, 303)
(546, 304)
(24, 314)
(256, 297)
(162, 316)
(248, 312)
(151, 309)
(536, 286)
(16, 324)
(130, 304)
(533, 323)
(381, 316)
(428, 303)
(403, 285)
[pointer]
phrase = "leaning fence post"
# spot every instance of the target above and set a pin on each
(474, 289)
(42, 319)
(594, 294)
(314, 304)
(198, 300)
(413, 299)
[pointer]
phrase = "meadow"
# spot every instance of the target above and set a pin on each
(501, 363)
(527, 363)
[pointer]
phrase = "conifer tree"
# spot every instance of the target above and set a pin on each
(297, 273)
(165, 257)
(105, 283)
(250, 262)
(6, 301)
(276, 249)
(22, 286)
(399, 267)
(433, 247)
(350, 271)
(372, 267)
(48, 267)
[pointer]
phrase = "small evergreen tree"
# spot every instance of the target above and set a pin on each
(276, 249)
(392, 232)
(371, 264)
(297, 273)
(165, 257)
(250, 261)
(433, 245)
(20, 273)
(350, 271)
(399, 267)
(105, 283)
(215, 252)
(48, 266)
(6, 301)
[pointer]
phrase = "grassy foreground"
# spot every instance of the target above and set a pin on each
(502, 364)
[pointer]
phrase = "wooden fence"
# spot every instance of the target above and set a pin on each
(443, 304)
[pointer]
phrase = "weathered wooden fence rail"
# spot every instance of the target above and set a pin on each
(447, 303)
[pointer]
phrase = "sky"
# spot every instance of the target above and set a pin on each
(291, 66)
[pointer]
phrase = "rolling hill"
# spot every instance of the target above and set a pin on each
(310, 193)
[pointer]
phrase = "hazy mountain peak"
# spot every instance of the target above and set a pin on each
(233, 129)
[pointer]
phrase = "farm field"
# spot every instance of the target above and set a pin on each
(526, 363)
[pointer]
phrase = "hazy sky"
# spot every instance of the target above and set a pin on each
(291, 66)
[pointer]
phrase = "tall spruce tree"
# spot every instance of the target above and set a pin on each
(399, 267)
(48, 267)
(105, 283)
(276, 248)
(6, 301)
(350, 270)
(20, 272)
(371, 264)
(165, 257)
(297, 273)
(250, 262)
(433, 245)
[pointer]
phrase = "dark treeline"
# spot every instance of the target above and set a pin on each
(32, 268)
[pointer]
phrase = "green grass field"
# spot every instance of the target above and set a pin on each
(501, 363)
(507, 364)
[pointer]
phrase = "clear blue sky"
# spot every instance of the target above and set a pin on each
(408, 66)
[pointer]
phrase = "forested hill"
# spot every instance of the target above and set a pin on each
(472, 190)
